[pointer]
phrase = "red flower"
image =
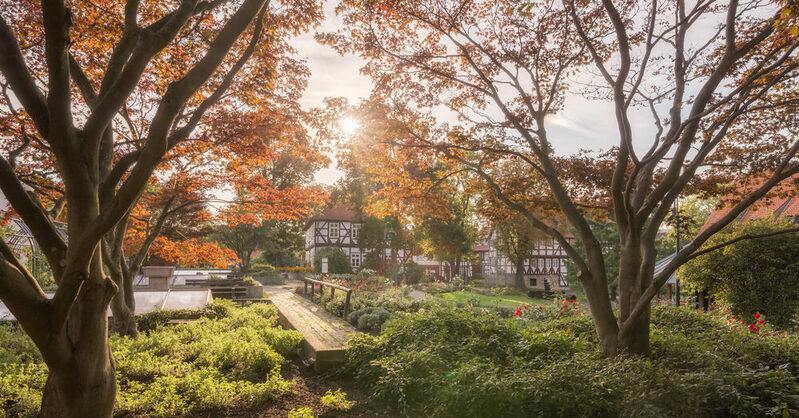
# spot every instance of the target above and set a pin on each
(753, 329)
(518, 311)
(761, 321)
(757, 316)
(733, 317)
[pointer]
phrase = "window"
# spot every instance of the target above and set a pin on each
(533, 282)
(356, 229)
(333, 230)
(355, 260)
(782, 207)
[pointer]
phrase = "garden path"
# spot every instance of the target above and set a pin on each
(325, 335)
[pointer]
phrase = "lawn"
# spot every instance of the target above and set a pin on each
(502, 301)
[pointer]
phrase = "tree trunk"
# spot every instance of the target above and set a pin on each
(123, 305)
(82, 372)
(604, 321)
(595, 285)
(631, 285)
(518, 280)
(245, 262)
(124, 314)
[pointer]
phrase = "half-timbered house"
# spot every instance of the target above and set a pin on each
(546, 263)
(336, 227)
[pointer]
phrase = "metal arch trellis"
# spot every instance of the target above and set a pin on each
(21, 240)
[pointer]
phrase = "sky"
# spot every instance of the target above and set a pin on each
(332, 75)
(583, 125)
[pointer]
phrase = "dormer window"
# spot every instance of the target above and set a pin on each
(742, 215)
(782, 208)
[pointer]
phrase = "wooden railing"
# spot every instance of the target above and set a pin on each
(332, 287)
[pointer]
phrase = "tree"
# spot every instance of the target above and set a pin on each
(284, 240)
(271, 202)
(722, 104)
(337, 260)
(753, 276)
(693, 212)
(607, 233)
(517, 239)
(106, 91)
(166, 222)
(448, 236)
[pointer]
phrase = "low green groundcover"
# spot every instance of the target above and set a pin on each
(545, 361)
(229, 358)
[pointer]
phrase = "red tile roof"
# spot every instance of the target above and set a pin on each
(336, 213)
(785, 205)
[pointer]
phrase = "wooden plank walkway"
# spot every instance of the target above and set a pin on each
(325, 335)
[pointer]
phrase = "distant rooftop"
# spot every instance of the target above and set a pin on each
(785, 204)
(336, 213)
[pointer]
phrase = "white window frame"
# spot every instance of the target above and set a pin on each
(355, 259)
(356, 231)
(331, 229)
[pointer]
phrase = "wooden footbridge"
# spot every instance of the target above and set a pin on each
(325, 335)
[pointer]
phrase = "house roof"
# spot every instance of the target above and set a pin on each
(336, 213)
(786, 203)
(661, 264)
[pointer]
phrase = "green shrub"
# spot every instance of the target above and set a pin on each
(337, 261)
(261, 269)
(229, 358)
(249, 281)
(301, 413)
(15, 346)
(413, 273)
(447, 361)
(753, 276)
(21, 388)
(334, 303)
(217, 310)
(336, 400)
(369, 319)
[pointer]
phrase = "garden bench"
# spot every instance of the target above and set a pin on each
(325, 336)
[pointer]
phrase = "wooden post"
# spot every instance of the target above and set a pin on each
(305, 288)
(347, 305)
(332, 292)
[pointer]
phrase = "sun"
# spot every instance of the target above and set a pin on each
(348, 125)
